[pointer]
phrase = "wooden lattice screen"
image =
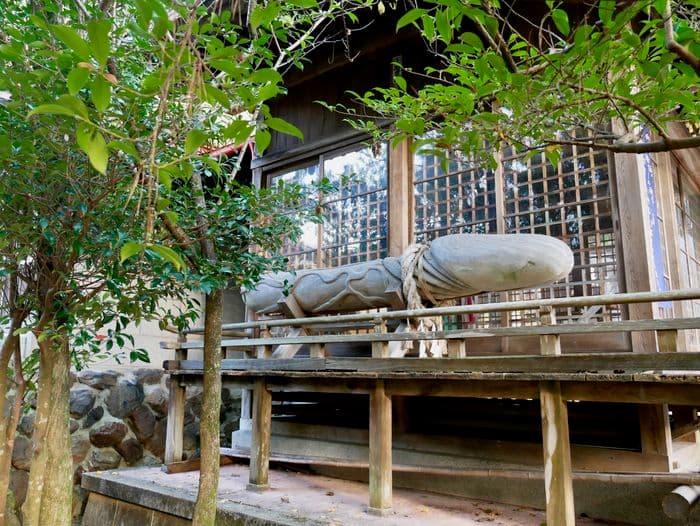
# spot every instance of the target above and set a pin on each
(571, 201)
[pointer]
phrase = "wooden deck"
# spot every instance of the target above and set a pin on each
(649, 379)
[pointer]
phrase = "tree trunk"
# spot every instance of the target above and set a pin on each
(50, 491)
(209, 420)
(8, 426)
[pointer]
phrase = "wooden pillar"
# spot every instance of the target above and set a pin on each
(401, 209)
(260, 437)
(558, 484)
(638, 261)
(380, 481)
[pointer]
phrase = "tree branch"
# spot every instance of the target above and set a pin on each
(662, 145)
(681, 51)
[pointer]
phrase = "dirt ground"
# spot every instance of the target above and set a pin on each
(313, 499)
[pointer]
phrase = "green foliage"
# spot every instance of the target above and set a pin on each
(107, 121)
(501, 75)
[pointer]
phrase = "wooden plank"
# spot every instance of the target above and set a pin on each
(557, 456)
(618, 363)
(633, 392)
(471, 389)
(176, 422)
(260, 438)
(380, 480)
(190, 465)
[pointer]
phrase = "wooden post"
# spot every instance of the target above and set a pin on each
(380, 349)
(175, 426)
(264, 351)
(380, 480)
(260, 438)
(317, 350)
(456, 349)
(558, 485)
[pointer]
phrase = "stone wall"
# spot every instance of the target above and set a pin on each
(118, 420)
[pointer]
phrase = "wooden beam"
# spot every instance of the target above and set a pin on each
(260, 438)
(660, 366)
(380, 470)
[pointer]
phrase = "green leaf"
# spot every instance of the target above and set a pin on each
(129, 249)
(165, 179)
(98, 31)
(93, 143)
(51, 109)
(561, 20)
(266, 75)
(72, 39)
(194, 140)
(409, 18)
(306, 4)
(168, 254)
(172, 216)
(283, 126)
(126, 147)
(262, 140)
(100, 93)
(238, 131)
(5, 146)
(65, 105)
(606, 9)
(215, 94)
(77, 79)
(442, 23)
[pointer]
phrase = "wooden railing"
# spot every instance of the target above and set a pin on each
(647, 378)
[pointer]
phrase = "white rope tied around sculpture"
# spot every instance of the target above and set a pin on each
(413, 285)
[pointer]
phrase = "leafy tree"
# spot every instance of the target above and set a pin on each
(540, 77)
(109, 200)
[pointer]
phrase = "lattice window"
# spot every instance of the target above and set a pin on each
(355, 214)
(355, 222)
(303, 253)
(570, 201)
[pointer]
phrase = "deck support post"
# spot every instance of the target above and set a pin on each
(380, 462)
(260, 438)
(175, 426)
(558, 484)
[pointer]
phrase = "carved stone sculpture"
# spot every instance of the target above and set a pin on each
(449, 267)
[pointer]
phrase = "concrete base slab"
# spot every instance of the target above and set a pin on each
(298, 498)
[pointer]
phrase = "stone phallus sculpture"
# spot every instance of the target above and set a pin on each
(449, 267)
